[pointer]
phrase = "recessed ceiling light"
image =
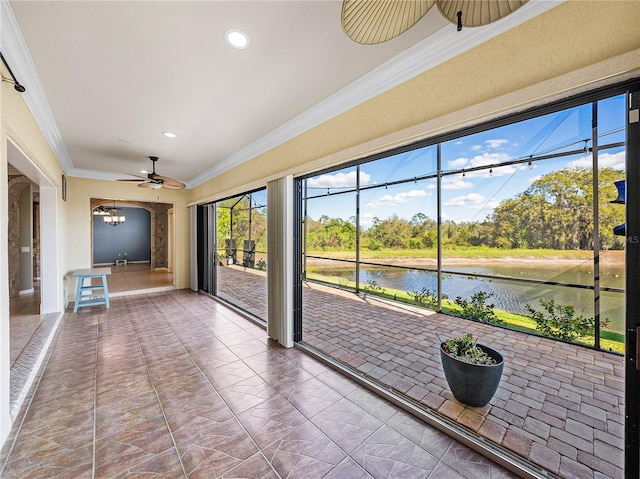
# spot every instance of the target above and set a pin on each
(144, 171)
(236, 38)
(169, 134)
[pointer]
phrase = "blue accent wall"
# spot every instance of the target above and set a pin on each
(132, 237)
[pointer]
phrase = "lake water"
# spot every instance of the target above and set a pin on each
(507, 295)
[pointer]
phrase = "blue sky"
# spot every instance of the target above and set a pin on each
(474, 195)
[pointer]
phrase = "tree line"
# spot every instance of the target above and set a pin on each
(555, 212)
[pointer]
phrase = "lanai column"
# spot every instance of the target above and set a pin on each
(280, 239)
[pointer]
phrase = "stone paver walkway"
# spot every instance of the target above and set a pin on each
(559, 406)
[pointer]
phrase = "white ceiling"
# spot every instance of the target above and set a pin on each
(105, 79)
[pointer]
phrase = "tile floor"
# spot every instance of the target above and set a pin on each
(24, 311)
(135, 277)
(174, 384)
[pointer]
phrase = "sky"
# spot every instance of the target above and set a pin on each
(472, 196)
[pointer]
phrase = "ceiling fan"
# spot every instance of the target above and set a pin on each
(155, 181)
(369, 22)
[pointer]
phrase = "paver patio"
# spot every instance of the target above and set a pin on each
(558, 405)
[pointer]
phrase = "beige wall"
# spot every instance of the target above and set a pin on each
(570, 46)
(79, 194)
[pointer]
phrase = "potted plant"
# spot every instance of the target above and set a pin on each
(472, 370)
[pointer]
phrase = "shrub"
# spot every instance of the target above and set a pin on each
(372, 287)
(374, 244)
(561, 321)
(478, 309)
(425, 298)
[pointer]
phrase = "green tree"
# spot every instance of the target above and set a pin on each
(556, 212)
(393, 232)
(331, 233)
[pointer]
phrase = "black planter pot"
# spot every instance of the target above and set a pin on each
(472, 384)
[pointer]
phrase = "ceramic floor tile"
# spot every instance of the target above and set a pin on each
(256, 467)
(313, 396)
(348, 469)
(472, 465)
(428, 438)
(271, 420)
(346, 424)
(388, 454)
(304, 452)
(247, 394)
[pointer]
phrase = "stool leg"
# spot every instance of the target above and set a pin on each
(106, 290)
(78, 293)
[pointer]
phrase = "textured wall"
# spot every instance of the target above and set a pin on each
(16, 185)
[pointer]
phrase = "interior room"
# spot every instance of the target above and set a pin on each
(237, 238)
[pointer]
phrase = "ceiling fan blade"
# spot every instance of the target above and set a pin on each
(170, 183)
(369, 22)
(154, 185)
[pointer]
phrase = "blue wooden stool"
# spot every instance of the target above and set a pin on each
(91, 299)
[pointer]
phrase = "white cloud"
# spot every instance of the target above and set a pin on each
(472, 199)
(455, 183)
(397, 199)
(458, 163)
(484, 160)
(338, 180)
(610, 160)
(497, 143)
(489, 159)
(476, 148)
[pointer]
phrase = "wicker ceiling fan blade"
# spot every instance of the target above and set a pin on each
(375, 21)
(169, 183)
(475, 13)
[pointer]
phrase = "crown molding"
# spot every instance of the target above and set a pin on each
(17, 55)
(434, 50)
(95, 175)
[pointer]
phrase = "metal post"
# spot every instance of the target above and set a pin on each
(632, 298)
(596, 224)
(299, 256)
(439, 222)
(304, 232)
(212, 222)
(357, 228)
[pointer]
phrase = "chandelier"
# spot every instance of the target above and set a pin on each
(109, 215)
